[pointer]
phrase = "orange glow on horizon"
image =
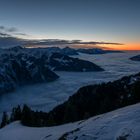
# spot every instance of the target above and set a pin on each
(124, 47)
(110, 46)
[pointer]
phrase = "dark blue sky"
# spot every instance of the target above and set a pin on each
(97, 20)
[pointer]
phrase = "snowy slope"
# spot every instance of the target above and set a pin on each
(122, 123)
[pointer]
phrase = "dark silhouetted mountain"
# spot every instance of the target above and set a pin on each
(97, 51)
(135, 58)
(73, 51)
(69, 51)
(88, 101)
(60, 62)
(16, 48)
(97, 99)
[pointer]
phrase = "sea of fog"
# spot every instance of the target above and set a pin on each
(46, 96)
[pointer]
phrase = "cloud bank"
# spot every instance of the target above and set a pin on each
(10, 36)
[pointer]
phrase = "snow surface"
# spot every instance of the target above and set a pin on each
(124, 122)
(46, 96)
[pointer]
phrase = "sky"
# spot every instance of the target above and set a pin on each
(88, 20)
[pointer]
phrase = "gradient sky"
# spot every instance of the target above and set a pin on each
(88, 20)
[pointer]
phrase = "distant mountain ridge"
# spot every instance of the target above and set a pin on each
(75, 51)
(58, 59)
(97, 51)
(135, 58)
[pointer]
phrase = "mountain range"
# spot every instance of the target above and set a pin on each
(23, 66)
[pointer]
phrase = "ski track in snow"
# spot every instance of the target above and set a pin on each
(46, 96)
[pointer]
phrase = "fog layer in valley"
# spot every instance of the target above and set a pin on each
(45, 96)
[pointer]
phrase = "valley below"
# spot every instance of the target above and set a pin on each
(46, 96)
